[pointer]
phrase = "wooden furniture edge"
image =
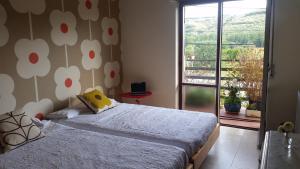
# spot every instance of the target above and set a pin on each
(200, 156)
(190, 166)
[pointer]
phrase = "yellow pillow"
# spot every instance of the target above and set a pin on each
(97, 99)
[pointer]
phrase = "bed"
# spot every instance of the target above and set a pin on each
(70, 148)
(192, 131)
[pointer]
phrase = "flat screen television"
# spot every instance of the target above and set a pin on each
(138, 88)
(298, 113)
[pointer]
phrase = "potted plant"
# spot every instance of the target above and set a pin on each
(232, 102)
(251, 74)
(253, 109)
(286, 128)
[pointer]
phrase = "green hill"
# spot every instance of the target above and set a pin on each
(238, 29)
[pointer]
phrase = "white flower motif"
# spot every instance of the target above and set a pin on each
(7, 99)
(67, 80)
(3, 30)
(100, 88)
(34, 6)
(88, 9)
(91, 58)
(43, 106)
(33, 58)
(112, 74)
(63, 28)
(110, 31)
(3, 15)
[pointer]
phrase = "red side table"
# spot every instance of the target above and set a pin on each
(135, 96)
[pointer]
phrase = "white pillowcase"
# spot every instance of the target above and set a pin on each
(66, 113)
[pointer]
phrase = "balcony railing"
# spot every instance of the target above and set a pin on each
(224, 70)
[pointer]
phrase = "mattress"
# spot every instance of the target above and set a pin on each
(69, 148)
(185, 129)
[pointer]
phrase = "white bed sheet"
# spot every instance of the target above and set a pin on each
(69, 148)
(185, 129)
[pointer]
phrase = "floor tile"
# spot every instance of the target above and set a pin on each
(235, 149)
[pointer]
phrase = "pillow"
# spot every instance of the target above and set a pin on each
(17, 129)
(66, 113)
(97, 101)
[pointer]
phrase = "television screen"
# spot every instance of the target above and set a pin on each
(138, 88)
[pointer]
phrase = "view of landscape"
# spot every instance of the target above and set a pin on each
(242, 52)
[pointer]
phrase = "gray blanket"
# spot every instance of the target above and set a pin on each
(186, 129)
(69, 148)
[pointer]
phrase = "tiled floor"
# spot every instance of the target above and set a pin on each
(235, 149)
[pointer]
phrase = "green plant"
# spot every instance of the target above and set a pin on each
(232, 100)
(251, 72)
(232, 87)
(199, 97)
(286, 127)
(252, 106)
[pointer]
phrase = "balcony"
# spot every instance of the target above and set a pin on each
(201, 75)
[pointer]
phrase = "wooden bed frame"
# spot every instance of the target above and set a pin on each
(201, 154)
(190, 166)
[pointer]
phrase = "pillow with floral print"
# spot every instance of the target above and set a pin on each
(17, 129)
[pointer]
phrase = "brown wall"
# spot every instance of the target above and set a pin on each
(149, 48)
(28, 70)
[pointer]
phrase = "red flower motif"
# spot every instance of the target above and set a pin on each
(33, 58)
(110, 31)
(64, 28)
(88, 4)
(68, 82)
(112, 74)
(88, 9)
(92, 54)
(91, 58)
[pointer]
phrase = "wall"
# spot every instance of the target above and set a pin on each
(149, 48)
(283, 86)
(52, 50)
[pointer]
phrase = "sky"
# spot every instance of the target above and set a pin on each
(230, 8)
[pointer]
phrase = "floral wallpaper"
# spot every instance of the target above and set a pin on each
(53, 50)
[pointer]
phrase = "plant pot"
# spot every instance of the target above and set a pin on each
(232, 108)
(253, 113)
(258, 104)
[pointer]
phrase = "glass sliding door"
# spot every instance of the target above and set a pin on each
(199, 61)
(219, 41)
(242, 60)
